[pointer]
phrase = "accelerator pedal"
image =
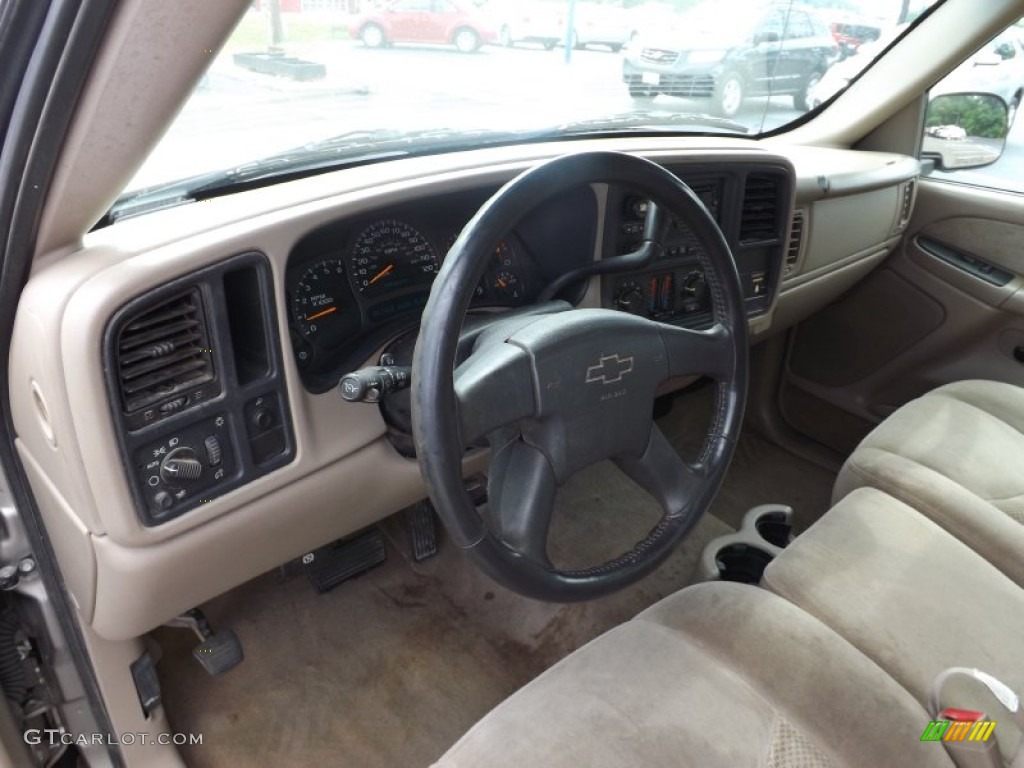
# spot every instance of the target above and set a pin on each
(421, 522)
(344, 559)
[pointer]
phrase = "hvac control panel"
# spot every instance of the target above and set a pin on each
(197, 387)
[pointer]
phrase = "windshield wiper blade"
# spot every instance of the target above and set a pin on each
(650, 121)
(352, 148)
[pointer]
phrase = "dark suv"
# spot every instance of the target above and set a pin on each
(777, 50)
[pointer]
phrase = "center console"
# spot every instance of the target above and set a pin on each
(750, 205)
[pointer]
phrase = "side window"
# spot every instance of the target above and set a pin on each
(997, 68)
(771, 27)
(799, 26)
(443, 6)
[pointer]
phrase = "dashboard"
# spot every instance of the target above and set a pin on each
(190, 412)
(355, 285)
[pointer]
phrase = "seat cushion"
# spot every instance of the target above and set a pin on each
(716, 675)
(909, 595)
(956, 455)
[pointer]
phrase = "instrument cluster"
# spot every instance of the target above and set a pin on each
(358, 283)
(375, 283)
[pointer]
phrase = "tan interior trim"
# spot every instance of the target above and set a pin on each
(99, 156)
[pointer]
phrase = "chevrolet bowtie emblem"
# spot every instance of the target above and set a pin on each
(610, 369)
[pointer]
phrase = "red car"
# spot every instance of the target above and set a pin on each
(424, 21)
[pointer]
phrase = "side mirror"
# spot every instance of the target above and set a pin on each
(766, 37)
(965, 130)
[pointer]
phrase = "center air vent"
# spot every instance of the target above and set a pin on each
(163, 353)
(760, 215)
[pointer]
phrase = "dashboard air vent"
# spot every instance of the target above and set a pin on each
(906, 206)
(796, 239)
(164, 351)
(759, 218)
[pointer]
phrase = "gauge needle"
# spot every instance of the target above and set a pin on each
(383, 273)
(502, 283)
(321, 313)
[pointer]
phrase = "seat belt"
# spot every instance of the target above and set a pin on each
(969, 752)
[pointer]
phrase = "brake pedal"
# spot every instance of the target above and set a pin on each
(328, 566)
(217, 652)
(421, 522)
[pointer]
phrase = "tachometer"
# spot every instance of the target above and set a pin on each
(323, 306)
(391, 256)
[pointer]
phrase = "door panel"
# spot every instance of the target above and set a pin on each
(947, 305)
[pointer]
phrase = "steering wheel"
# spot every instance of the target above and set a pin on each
(560, 389)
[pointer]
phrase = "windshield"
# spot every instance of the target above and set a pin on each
(321, 82)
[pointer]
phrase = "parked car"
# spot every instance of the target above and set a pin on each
(840, 74)
(953, 132)
(851, 32)
(773, 50)
(602, 25)
(997, 68)
(539, 23)
(452, 22)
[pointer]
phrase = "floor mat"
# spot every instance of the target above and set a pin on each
(390, 669)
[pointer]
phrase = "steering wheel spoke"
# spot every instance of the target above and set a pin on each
(707, 353)
(663, 473)
(521, 495)
(493, 388)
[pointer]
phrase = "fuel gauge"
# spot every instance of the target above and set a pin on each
(501, 282)
(507, 286)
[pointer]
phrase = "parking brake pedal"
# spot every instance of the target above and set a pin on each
(218, 651)
(328, 566)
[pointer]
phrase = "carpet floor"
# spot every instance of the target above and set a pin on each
(391, 668)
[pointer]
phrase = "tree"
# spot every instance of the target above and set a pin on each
(980, 116)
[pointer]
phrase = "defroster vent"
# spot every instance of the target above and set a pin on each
(760, 216)
(164, 353)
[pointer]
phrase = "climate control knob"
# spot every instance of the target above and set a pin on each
(630, 298)
(693, 291)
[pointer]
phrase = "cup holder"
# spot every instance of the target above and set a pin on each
(775, 528)
(743, 556)
(742, 562)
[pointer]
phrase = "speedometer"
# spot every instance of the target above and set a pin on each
(391, 256)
